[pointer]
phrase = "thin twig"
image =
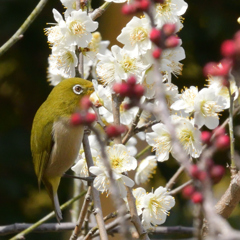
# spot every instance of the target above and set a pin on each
(132, 128)
(146, 149)
(231, 128)
(82, 215)
(50, 215)
(96, 198)
(178, 189)
(19, 33)
(146, 126)
(173, 179)
(99, 11)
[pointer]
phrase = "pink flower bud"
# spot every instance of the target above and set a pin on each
(222, 142)
(197, 197)
(85, 103)
(121, 88)
(143, 5)
(138, 91)
(155, 35)
(90, 118)
(76, 119)
(172, 41)
(188, 191)
(169, 29)
(215, 69)
(217, 173)
(114, 131)
(128, 9)
(131, 81)
(206, 136)
(157, 52)
(219, 131)
(228, 48)
(194, 170)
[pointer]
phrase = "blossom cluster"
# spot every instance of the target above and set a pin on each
(120, 71)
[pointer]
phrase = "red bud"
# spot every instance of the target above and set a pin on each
(90, 118)
(157, 52)
(228, 48)
(197, 197)
(155, 35)
(169, 29)
(85, 103)
(217, 173)
(172, 42)
(222, 142)
(206, 136)
(138, 91)
(188, 191)
(131, 81)
(76, 119)
(128, 9)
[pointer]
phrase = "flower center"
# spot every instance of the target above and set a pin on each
(139, 34)
(77, 27)
(165, 8)
(94, 44)
(157, 208)
(106, 72)
(186, 138)
(128, 64)
(116, 163)
(163, 143)
(189, 96)
(209, 108)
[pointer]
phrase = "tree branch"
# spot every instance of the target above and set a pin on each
(50, 215)
(19, 33)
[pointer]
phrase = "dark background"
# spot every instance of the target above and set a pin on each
(23, 87)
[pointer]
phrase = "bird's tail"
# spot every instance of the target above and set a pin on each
(52, 186)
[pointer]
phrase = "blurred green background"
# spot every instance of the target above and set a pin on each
(23, 87)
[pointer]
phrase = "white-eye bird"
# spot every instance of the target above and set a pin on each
(55, 143)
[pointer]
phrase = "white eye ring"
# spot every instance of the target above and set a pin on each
(77, 89)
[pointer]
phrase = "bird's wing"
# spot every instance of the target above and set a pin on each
(41, 144)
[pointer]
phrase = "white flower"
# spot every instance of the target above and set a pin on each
(189, 137)
(186, 100)
(96, 46)
(215, 82)
(170, 61)
(207, 106)
(160, 140)
(55, 35)
(146, 169)
(63, 61)
(81, 168)
(108, 70)
(135, 36)
(126, 116)
(156, 207)
(131, 146)
(101, 96)
(170, 12)
(120, 161)
(70, 5)
(139, 194)
(78, 28)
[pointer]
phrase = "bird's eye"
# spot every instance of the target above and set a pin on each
(77, 89)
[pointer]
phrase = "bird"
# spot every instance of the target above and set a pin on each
(55, 143)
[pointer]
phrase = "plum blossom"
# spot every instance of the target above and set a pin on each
(207, 106)
(135, 36)
(120, 161)
(186, 100)
(146, 169)
(156, 207)
(170, 12)
(188, 135)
